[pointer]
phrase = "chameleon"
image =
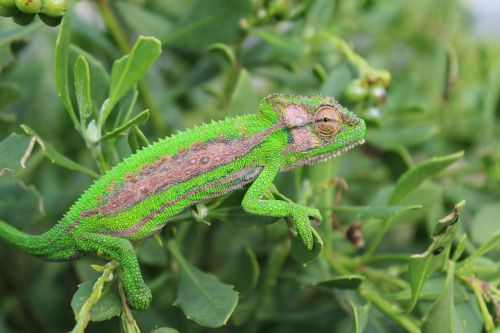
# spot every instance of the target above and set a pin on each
(135, 198)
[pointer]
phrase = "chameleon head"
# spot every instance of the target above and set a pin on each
(318, 128)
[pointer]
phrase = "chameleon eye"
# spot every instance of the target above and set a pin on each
(327, 120)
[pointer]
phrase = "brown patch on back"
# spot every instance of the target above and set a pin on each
(166, 171)
(234, 181)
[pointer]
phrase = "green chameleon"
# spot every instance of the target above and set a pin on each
(136, 198)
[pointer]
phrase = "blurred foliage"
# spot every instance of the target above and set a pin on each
(428, 88)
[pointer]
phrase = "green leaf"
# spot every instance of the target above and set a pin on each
(242, 271)
(301, 253)
(61, 56)
(82, 87)
(12, 150)
(100, 77)
(237, 216)
(18, 33)
(9, 92)
(142, 20)
(108, 306)
(152, 254)
(485, 223)
(201, 296)
(421, 266)
(318, 15)
(361, 315)
(208, 22)
(401, 136)
(126, 107)
(415, 176)
(165, 330)
(224, 49)
(6, 56)
(128, 70)
(375, 212)
(55, 157)
(136, 139)
(352, 281)
(138, 120)
(283, 46)
(20, 204)
(442, 317)
(244, 99)
(491, 244)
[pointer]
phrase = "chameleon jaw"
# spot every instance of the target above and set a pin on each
(324, 157)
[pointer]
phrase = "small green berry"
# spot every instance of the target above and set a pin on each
(8, 12)
(356, 91)
(54, 8)
(8, 3)
(49, 20)
(24, 19)
(377, 94)
(29, 6)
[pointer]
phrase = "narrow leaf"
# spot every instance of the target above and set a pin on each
(82, 87)
(136, 139)
(442, 317)
(128, 70)
(126, 106)
(100, 78)
(352, 281)
(360, 314)
(55, 157)
(415, 176)
(138, 120)
(375, 212)
(224, 49)
(61, 56)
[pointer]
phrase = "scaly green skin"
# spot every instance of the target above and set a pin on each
(137, 197)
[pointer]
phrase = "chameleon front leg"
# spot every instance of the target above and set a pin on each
(300, 215)
(138, 294)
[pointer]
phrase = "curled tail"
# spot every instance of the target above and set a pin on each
(38, 245)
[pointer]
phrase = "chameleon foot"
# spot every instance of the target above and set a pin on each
(301, 218)
(140, 298)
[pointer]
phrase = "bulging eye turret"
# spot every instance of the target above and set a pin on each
(327, 120)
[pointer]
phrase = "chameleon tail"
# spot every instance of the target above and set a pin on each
(36, 245)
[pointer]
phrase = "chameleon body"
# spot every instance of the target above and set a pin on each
(136, 198)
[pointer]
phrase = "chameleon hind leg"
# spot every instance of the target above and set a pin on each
(300, 215)
(138, 294)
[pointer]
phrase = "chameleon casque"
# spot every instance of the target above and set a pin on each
(137, 197)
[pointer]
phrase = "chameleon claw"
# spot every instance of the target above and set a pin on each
(304, 229)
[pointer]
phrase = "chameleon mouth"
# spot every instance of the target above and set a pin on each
(324, 157)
